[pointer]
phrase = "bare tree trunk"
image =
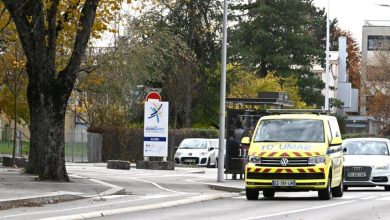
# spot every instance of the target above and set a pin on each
(15, 125)
(188, 95)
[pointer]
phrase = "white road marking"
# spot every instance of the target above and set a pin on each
(369, 197)
(384, 198)
(239, 197)
(300, 210)
(158, 186)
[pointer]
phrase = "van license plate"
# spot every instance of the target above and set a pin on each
(283, 182)
(356, 174)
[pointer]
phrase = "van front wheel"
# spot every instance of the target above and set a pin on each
(338, 191)
(251, 194)
(324, 194)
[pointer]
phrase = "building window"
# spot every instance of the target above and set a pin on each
(378, 42)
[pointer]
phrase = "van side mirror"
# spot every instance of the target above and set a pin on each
(246, 140)
(336, 141)
(211, 148)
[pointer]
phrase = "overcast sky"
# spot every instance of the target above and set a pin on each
(351, 14)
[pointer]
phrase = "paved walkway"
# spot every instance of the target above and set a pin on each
(19, 189)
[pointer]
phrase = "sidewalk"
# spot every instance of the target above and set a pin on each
(19, 189)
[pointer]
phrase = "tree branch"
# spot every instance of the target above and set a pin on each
(17, 12)
(9, 21)
(52, 33)
(67, 77)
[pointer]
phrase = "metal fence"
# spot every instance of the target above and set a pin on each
(83, 147)
(79, 147)
(7, 142)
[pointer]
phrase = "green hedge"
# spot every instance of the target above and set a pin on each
(127, 143)
(345, 136)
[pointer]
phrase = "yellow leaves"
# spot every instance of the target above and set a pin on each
(248, 85)
(18, 64)
(93, 79)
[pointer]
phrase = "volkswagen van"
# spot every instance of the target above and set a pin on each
(295, 152)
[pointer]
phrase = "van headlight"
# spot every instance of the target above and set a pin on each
(382, 167)
(316, 160)
(254, 159)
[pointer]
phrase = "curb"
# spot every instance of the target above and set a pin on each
(39, 200)
(103, 213)
(114, 190)
(232, 189)
(221, 187)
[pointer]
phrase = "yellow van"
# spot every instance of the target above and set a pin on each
(295, 152)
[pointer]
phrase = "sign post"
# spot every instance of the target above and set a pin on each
(155, 127)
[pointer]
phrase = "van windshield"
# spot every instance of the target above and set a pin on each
(290, 130)
(193, 144)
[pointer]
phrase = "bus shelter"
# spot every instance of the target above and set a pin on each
(241, 119)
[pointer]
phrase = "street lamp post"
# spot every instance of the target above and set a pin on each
(327, 76)
(221, 153)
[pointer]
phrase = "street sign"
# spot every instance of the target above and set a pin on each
(153, 95)
(156, 129)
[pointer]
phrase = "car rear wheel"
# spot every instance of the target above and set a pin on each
(252, 194)
(338, 191)
(324, 194)
(387, 188)
(268, 193)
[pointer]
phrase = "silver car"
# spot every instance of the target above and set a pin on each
(367, 162)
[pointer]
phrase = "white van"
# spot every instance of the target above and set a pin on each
(196, 151)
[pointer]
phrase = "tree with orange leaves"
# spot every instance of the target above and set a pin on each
(54, 35)
(353, 53)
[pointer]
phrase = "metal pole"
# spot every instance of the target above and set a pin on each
(221, 153)
(327, 77)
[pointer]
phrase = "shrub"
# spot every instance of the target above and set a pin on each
(127, 143)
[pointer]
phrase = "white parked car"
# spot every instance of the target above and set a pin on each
(196, 151)
(215, 143)
(367, 162)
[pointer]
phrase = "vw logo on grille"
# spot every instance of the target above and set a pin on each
(357, 168)
(284, 162)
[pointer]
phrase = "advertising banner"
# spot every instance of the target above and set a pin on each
(156, 129)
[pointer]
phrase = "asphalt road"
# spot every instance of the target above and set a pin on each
(356, 204)
(160, 188)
